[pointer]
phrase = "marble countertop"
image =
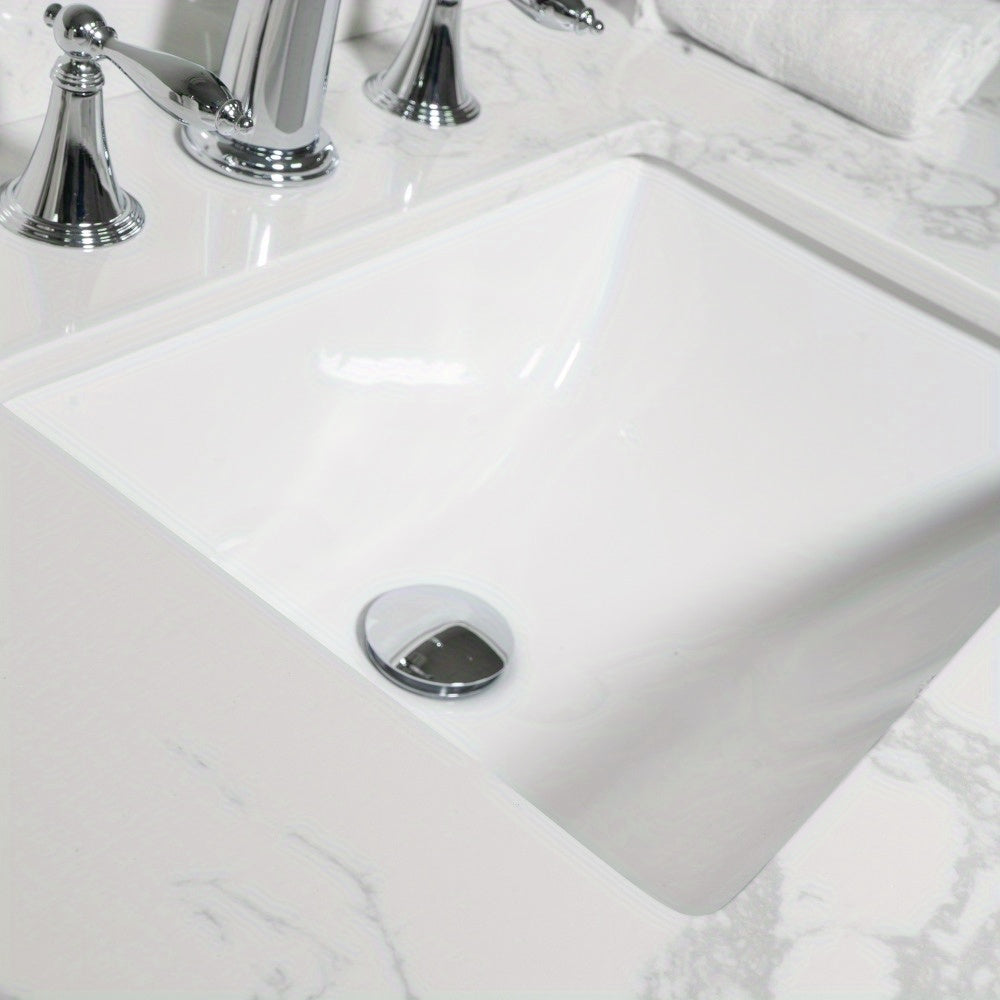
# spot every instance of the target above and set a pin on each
(201, 802)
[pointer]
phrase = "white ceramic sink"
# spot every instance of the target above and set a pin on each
(738, 504)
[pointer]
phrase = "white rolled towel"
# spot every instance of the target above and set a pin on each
(892, 64)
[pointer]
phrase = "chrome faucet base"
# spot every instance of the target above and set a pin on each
(424, 82)
(67, 195)
(261, 164)
(417, 109)
(80, 234)
(276, 61)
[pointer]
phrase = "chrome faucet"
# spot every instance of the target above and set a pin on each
(265, 128)
(67, 194)
(424, 82)
(276, 61)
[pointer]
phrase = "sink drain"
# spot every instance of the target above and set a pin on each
(436, 641)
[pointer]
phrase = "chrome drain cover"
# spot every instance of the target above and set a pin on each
(436, 641)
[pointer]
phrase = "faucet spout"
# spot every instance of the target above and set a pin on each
(276, 61)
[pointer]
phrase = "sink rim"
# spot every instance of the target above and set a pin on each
(196, 334)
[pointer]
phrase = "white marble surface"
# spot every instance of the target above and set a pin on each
(202, 803)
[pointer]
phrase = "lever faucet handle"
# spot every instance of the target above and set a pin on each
(588, 20)
(187, 92)
(564, 15)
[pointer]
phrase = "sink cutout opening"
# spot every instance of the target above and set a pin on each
(713, 412)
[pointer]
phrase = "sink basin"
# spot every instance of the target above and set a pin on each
(738, 502)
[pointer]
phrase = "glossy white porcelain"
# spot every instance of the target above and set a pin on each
(738, 503)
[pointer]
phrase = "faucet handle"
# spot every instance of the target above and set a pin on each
(187, 92)
(67, 194)
(563, 15)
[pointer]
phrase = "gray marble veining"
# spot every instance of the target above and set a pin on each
(769, 942)
(247, 920)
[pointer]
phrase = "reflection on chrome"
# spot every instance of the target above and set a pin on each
(68, 194)
(276, 60)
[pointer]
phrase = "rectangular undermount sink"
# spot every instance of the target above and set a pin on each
(737, 503)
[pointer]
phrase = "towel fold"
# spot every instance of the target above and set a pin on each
(892, 64)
